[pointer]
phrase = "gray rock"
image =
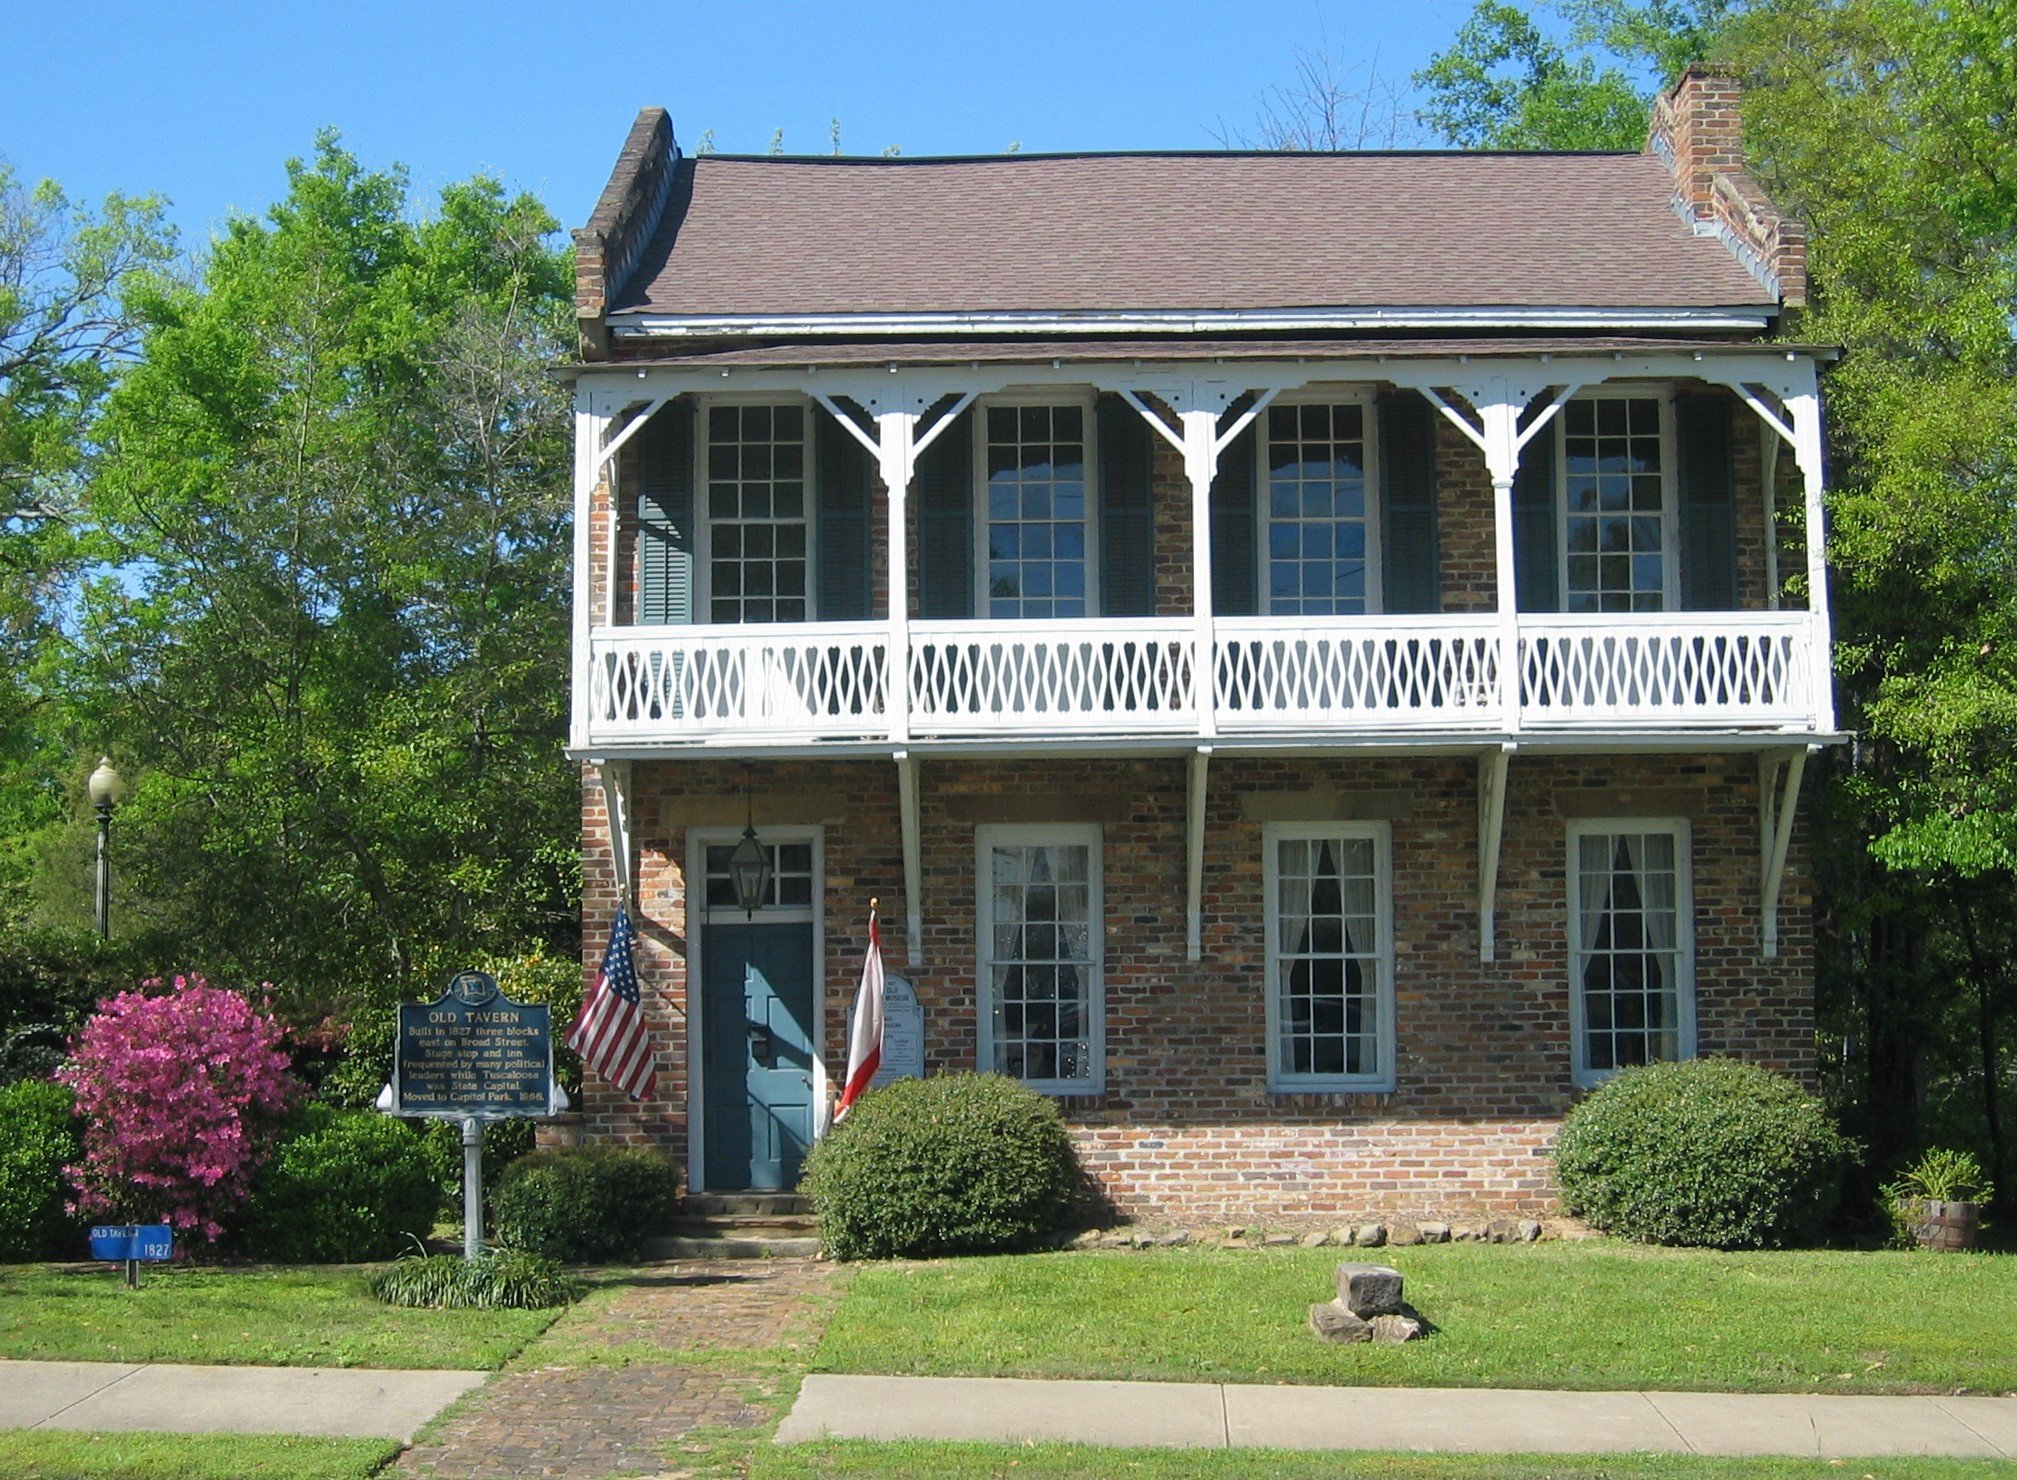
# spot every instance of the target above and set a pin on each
(1396, 1327)
(1316, 1240)
(1403, 1235)
(1333, 1322)
(1435, 1233)
(1369, 1289)
(1236, 1232)
(1175, 1240)
(1529, 1230)
(1342, 1236)
(1370, 1235)
(1278, 1240)
(1499, 1231)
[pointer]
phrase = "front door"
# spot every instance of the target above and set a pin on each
(757, 1016)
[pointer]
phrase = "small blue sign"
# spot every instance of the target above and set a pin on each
(121, 1241)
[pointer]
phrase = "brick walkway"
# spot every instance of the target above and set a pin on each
(582, 1422)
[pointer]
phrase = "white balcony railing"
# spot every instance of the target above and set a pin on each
(1260, 676)
(820, 681)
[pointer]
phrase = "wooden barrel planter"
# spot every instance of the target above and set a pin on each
(1949, 1225)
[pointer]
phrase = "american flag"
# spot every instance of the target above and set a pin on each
(608, 1032)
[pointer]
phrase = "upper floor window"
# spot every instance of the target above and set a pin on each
(1631, 945)
(1321, 554)
(1036, 534)
(1330, 956)
(1616, 516)
(757, 546)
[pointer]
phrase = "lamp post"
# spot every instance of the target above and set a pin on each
(108, 790)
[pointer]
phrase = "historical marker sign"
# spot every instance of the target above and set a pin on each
(902, 1033)
(474, 1054)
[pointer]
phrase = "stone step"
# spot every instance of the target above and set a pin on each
(748, 1225)
(689, 1246)
(744, 1204)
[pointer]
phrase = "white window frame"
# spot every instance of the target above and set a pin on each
(1670, 509)
(1581, 1074)
(1086, 402)
(987, 837)
(1376, 562)
(1273, 835)
(703, 522)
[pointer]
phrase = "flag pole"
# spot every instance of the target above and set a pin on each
(864, 1039)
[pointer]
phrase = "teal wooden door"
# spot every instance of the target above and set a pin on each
(757, 1055)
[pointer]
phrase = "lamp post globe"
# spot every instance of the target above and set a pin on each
(107, 789)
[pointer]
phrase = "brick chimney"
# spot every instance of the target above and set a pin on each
(1698, 129)
(633, 203)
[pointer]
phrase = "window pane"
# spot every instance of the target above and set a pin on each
(1613, 496)
(756, 510)
(1316, 502)
(1630, 947)
(1036, 502)
(1328, 981)
(1040, 963)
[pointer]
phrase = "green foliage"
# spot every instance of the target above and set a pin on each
(50, 982)
(1709, 1153)
(38, 1139)
(1939, 1175)
(1503, 85)
(343, 1187)
(335, 492)
(503, 1280)
(584, 1204)
(956, 1164)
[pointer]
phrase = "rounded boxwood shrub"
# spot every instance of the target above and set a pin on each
(38, 1139)
(345, 1186)
(581, 1204)
(957, 1164)
(1711, 1153)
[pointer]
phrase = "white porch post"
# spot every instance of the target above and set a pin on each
(588, 425)
(896, 458)
(1201, 462)
(1805, 409)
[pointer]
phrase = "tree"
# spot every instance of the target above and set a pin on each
(1332, 103)
(1502, 85)
(64, 273)
(335, 648)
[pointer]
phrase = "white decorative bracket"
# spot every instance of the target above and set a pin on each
(1491, 828)
(913, 858)
(1779, 775)
(1194, 855)
(615, 777)
(631, 428)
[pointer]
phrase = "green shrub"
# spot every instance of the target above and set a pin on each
(1709, 1152)
(583, 1204)
(502, 1280)
(38, 1138)
(957, 1164)
(345, 1186)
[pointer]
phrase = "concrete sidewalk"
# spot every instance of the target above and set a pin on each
(1467, 1420)
(321, 1402)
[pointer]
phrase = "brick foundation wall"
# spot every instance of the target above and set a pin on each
(1186, 1126)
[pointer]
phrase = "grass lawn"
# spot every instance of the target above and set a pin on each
(284, 1317)
(1056, 1461)
(1543, 1316)
(54, 1454)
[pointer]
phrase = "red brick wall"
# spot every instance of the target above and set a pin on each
(1186, 1127)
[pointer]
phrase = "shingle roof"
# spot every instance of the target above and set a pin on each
(1220, 231)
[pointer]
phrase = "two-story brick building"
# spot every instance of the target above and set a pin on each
(1315, 653)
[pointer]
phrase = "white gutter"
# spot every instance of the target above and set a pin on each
(636, 323)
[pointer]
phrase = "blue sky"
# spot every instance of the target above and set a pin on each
(203, 103)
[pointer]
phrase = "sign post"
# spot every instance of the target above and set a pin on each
(473, 1056)
(132, 1244)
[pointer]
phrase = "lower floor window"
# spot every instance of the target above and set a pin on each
(1631, 937)
(1330, 957)
(1039, 968)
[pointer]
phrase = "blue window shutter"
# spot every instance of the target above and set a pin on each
(1410, 570)
(1537, 584)
(1235, 573)
(1708, 486)
(665, 517)
(943, 488)
(842, 468)
(1127, 528)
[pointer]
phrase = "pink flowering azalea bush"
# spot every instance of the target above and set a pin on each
(179, 1094)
